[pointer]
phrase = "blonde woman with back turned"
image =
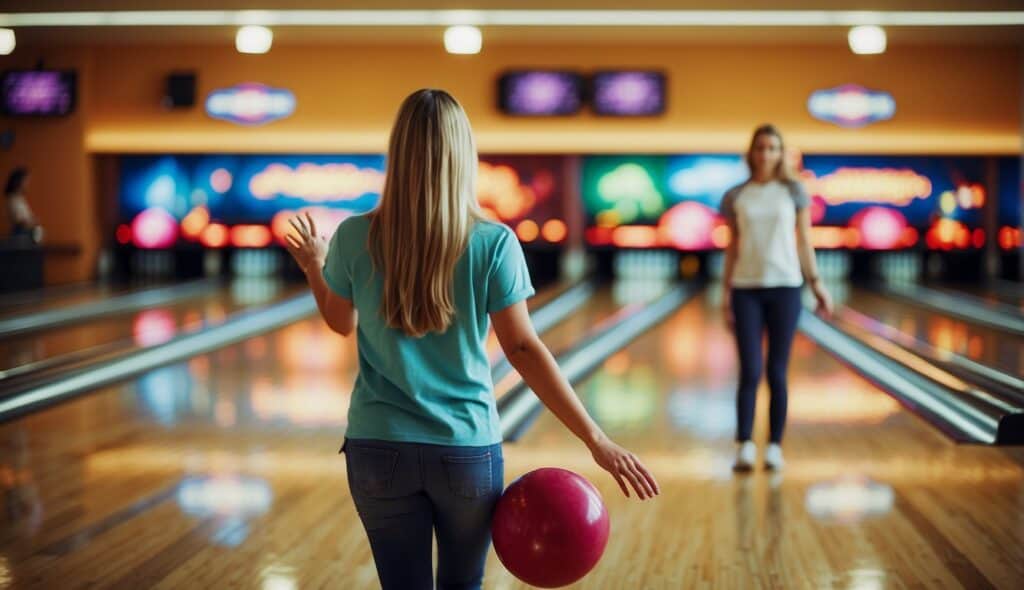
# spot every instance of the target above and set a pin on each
(425, 273)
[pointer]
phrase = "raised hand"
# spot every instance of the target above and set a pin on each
(307, 247)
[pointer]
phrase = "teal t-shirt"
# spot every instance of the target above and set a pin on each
(434, 389)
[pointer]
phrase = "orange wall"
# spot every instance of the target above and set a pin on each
(61, 191)
(954, 100)
(963, 100)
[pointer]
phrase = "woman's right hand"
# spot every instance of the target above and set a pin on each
(824, 299)
(625, 467)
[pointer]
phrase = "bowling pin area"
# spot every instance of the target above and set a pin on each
(172, 403)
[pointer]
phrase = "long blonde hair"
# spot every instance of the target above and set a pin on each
(426, 213)
(784, 170)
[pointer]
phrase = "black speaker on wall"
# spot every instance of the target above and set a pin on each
(181, 90)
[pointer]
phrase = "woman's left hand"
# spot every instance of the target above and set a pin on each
(308, 249)
(825, 306)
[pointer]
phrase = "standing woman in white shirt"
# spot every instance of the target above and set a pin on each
(23, 222)
(766, 264)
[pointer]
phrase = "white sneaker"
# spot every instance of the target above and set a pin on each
(746, 456)
(773, 457)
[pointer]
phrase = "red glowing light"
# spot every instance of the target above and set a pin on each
(194, 223)
(1009, 237)
(527, 230)
(978, 238)
(880, 228)
(599, 236)
(909, 237)
(635, 236)
(818, 207)
(946, 234)
(214, 236)
(688, 226)
(554, 230)
(124, 234)
(153, 326)
(154, 228)
(250, 236)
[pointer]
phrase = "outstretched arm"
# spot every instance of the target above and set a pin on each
(809, 262)
(534, 362)
(310, 251)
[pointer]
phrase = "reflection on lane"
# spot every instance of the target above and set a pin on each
(300, 376)
(1001, 351)
(1011, 296)
(624, 396)
(226, 438)
(851, 452)
(231, 499)
(143, 328)
(848, 499)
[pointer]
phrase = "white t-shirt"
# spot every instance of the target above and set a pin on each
(765, 217)
(17, 209)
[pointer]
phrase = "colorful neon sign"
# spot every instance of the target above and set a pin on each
(500, 189)
(250, 104)
(875, 185)
(851, 105)
(316, 183)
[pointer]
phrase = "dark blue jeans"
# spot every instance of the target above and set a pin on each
(407, 492)
(774, 310)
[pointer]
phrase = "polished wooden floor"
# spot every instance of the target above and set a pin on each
(222, 473)
(998, 349)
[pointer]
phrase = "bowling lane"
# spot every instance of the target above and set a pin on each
(157, 324)
(991, 347)
(563, 335)
(42, 299)
(872, 497)
(62, 296)
(990, 294)
(141, 328)
(220, 471)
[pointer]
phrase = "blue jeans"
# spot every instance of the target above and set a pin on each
(774, 310)
(407, 492)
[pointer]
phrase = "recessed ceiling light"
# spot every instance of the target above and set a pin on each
(867, 40)
(254, 39)
(7, 41)
(463, 40)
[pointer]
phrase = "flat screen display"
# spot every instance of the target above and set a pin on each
(39, 93)
(540, 93)
(635, 93)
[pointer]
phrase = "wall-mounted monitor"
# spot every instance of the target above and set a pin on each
(38, 93)
(628, 93)
(540, 93)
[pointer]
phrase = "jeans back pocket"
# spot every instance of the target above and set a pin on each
(371, 469)
(469, 476)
